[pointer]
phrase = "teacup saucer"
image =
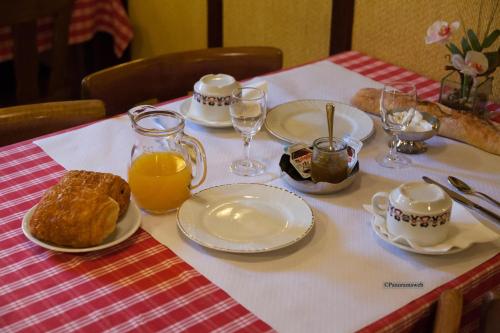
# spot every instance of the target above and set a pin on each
(402, 243)
(466, 231)
(184, 110)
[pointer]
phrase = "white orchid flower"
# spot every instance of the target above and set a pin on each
(440, 32)
(475, 63)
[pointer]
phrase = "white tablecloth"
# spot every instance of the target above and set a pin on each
(333, 280)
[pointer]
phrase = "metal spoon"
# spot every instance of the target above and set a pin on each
(330, 110)
(463, 187)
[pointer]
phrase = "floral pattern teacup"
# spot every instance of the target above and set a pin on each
(212, 96)
(418, 212)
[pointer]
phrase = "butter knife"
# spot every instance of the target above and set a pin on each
(460, 198)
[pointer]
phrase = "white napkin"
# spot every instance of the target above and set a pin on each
(103, 147)
(465, 230)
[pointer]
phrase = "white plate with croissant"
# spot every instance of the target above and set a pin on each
(125, 228)
(86, 211)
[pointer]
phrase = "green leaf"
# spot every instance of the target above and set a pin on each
(465, 45)
(453, 49)
(491, 38)
(474, 42)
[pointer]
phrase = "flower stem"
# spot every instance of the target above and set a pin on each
(464, 85)
(468, 86)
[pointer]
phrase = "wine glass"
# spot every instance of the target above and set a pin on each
(397, 108)
(248, 112)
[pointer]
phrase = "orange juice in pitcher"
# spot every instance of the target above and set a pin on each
(160, 171)
(160, 181)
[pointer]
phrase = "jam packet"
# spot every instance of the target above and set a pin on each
(300, 158)
(353, 149)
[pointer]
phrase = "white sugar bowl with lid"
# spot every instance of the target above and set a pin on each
(212, 96)
(416, 211)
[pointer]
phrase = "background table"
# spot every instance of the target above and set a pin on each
(142, 284)
(99, 35)
(87, 18)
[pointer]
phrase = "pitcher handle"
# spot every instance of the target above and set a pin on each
(201, 168)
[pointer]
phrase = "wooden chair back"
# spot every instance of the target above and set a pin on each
(22, 16)
(448, 312)
(18, 123)
(173, 75)
(490, 313)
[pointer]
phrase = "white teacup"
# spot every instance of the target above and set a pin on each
(212, 96)
(417, 211)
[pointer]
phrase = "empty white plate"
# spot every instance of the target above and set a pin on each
(305, 120)
(245, 218)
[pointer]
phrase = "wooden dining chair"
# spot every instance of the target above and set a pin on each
(490, 313)
(448, 312)
(173, 75)
(24, 122)
(22, 16)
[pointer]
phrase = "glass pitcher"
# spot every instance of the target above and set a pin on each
(160, 170)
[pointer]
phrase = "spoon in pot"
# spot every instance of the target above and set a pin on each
(463, 187)
(330, 110)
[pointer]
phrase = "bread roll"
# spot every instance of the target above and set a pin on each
(74, 216)
(106, 183)
(455, 125)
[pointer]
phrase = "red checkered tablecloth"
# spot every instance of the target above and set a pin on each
(140, 285)
(88, 17)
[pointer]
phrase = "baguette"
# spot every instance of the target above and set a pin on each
(454, 124)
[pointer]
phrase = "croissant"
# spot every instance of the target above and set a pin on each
(74, 216)
(106, 183)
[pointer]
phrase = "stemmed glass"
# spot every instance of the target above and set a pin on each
(397, 108)
(248, 112)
